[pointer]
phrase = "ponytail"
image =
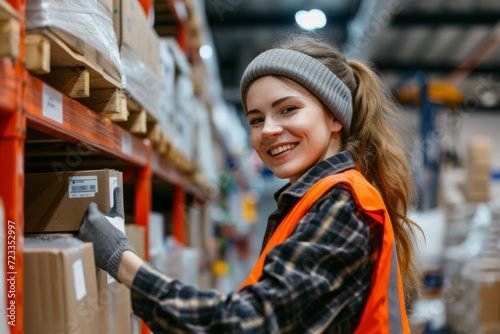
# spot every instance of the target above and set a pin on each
(381, 155)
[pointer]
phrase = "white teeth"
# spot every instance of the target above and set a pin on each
(283, 148)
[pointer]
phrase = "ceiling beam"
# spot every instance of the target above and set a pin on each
(445, 18)
(243, 19)
(394, 65)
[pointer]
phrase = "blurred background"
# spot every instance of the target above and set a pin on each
(441, 60)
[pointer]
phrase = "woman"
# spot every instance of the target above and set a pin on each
(328, 261)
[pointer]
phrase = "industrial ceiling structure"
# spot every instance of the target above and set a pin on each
(457, 41)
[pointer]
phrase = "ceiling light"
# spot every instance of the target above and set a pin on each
(318, 17)
(206, 51)
(310, 20)
(488, 97)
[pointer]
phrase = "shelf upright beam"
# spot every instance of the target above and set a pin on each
(179, 214)
(12, 136)
(143, 200)
(142, 207)
(147, 6)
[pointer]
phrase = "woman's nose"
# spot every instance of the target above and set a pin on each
(271, 127)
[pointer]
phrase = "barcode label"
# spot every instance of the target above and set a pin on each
(82, 186)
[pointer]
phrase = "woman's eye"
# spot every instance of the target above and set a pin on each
(255, 121)
(288, 109)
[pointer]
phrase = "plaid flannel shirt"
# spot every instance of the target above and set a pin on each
(317, 281)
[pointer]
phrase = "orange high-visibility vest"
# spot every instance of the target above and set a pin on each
(384, 311)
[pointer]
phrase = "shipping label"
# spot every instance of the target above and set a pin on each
(82, 186)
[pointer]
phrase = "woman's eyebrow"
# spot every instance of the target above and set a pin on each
(278, 101)
(274, 104)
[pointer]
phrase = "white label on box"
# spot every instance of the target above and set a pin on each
(52, 104)
(82, 186)
(113, 183)
(119, 223)
(110, 279)
(79, 277)
(126, 143)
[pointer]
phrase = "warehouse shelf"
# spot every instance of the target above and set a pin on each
(32, 112)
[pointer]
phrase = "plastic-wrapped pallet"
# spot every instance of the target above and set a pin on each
(182, 132)
(139, 53)
(84, 25)
(186, 124)
(167, 84)
(204, 155)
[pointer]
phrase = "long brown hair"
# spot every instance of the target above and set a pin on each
(378, 152)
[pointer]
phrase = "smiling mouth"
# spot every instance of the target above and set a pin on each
(281, 149)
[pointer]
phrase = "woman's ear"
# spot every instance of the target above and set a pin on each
(336, 125)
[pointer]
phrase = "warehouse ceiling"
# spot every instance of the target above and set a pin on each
(453, 40)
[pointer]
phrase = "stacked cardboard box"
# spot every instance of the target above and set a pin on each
(136, 235)
(481, 295)
(60, 287)
(56, 202)
(478, 169)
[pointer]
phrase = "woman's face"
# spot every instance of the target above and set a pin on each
(290, 129)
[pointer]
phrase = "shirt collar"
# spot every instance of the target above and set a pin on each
(333, 165)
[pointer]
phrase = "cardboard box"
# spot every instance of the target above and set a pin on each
(115, 305)
(60, 290)
(133, 31)
(477, 196)
(56, 202)
(479, 151)
(478, 184)
(478, 169)
(137, 234)
(482, 279)
(108, 4)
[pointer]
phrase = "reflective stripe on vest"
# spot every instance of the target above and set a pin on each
(384, 310)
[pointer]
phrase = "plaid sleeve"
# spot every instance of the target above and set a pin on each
(316, 280)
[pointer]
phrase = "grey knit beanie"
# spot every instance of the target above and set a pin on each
(306, 71)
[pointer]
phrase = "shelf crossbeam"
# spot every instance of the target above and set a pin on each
(168, 173)
(53, 112)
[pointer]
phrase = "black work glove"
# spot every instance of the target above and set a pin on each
(109, 242)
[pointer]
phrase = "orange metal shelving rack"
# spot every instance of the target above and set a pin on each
(12, 135)
(21, 106)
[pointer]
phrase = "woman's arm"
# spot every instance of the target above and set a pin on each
(129, 266)
(317, 278)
